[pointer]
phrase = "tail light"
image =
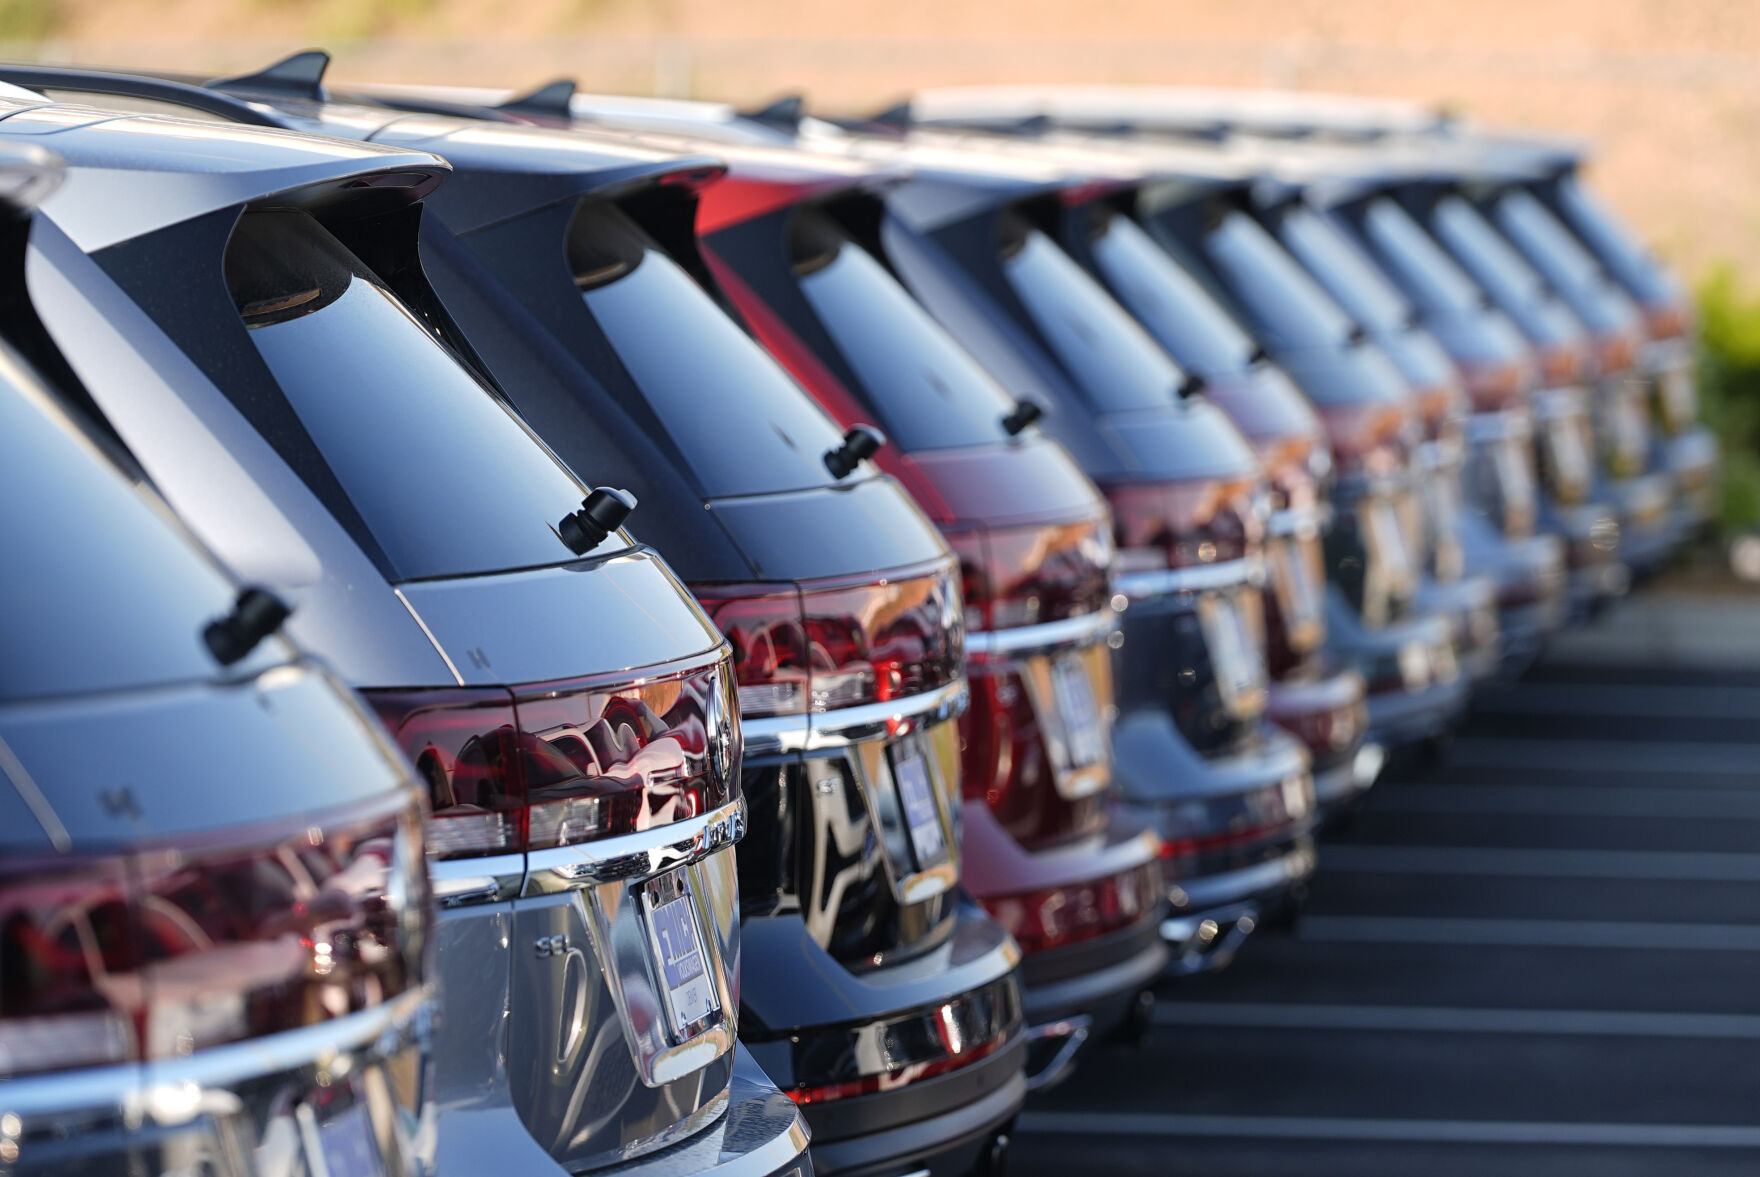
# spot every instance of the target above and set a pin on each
(557, 764)
(1058, 916)
(1170, 525)
(1615, 352)
(1563, 365)
(1020, 576)
(1497, 386)
(1372, 439)
(180, 947)
(825, 647)
(1668, 320)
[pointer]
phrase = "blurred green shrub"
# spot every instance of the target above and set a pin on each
(1729, 383)
(28, 20)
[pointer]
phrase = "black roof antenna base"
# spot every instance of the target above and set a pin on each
(301, 74)
(551, 100)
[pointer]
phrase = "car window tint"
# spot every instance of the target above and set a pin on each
(98, 590)
(446, 479)
(1492, 260)
(1526, 221)
(739, 418)
(1287, 303)
(926, 390)
(1342, 269)
(1615, 242)
(1172, 304)
(1413, 256)
(1117, 364)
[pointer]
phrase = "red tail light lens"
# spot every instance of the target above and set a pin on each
(829, 647)
(1615, 352)
(1563, 365)
(1056, 916)
(1494, 387)
(1668, 320)
(1372, 439)
(898, 1076)
(174, 949)
(1184, 524)
(1021, 576)
(556, 764)
(1437, 405)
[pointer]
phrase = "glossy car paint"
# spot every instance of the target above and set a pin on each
(165, 929)
(170, 381)
(571, 368)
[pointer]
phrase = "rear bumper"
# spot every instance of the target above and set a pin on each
(1211, 916)
(761, 1134)
(1099, 979)
(1470, 606)
(1338, 786)
(1401, 717)
(946, 1127)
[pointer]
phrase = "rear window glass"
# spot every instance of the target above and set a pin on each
(740, 420)
(1342, 269)
(98, 591)
(1276, 291)
(1490, 259)
(1414, 258)
(448, 482)
(1117, 364)
(926, 391)
(1172, 304)
(1614, 242)
(1570, 268)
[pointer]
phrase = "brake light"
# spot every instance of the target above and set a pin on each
(555, 764)
(1437, 405)
(827, 647)
(1019, 576)
(1563, 365)
(1056, 916)
(179, 947)
(1615, 352)
(1667, 320)
(1494, 387)
(1370, 438)
(899, 1076)
(1167, 525)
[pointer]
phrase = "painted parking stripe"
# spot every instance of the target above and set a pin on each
(1367, 929)
(1675, 758)
(1573, 801)
(1619, 699)
(1431, 1131)
(1495, 861)
(1456, 1020)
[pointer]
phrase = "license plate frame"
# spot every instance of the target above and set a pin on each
(1084, 730)
(915, 785)
(679, 956)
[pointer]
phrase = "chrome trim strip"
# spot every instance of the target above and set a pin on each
(462, 882)
(1163, 582)
(853, 725)
(155, 1090)
(1299, 521)
(25, 785)
(429, 634)
(630, 857)
(1069, 633)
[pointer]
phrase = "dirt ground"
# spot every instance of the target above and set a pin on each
(1667, 89)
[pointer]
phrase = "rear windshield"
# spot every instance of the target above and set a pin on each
(1561, 257)
(741, 422)
(1342, 269)
(447, 481)
(1614, 242)
(98, 591)
(1490, 259)
(1288, 303)
(1172, 304)
(1118, 365)
(926, 391)
(1412, 256)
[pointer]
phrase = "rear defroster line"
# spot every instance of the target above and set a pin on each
(1419, 1131)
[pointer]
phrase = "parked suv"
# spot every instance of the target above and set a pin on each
(569, 707)
(881, 998)
(215, 925)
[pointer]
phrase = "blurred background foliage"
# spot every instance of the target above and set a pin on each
(1729, 373)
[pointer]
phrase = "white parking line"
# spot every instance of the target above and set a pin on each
(1457, 1020)
(1542, 863)
(1623, 700)
(1555, 933)
(1572, 801)
(1415, 1131)
(1670, 758)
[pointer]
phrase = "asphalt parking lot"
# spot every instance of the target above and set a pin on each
(1540, 957)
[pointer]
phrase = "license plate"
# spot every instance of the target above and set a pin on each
(910, 771)
(677, 945)
(346, 1141)
(1084, 733)
(1235, 661)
